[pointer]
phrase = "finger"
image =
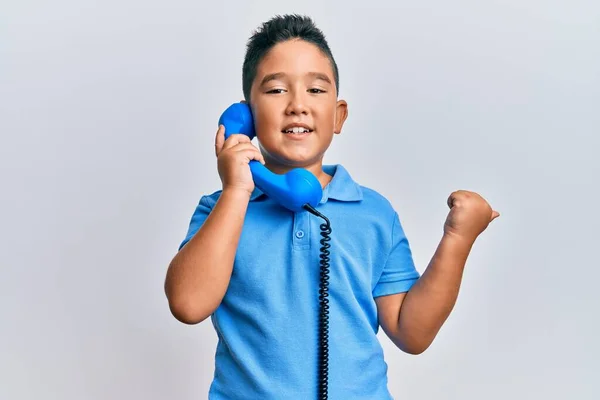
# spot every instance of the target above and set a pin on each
(235, 139)
(257, 155)
(243, 146)
(252, 154)
(452, 199)
(219, 139)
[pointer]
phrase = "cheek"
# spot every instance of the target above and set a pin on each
(266, 125)
(261, 120)
(326, 116)
(264, 115)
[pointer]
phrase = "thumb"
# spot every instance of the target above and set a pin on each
(219, 139)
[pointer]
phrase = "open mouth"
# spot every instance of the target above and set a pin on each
(297, 130)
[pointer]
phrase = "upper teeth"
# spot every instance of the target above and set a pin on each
(297, 129)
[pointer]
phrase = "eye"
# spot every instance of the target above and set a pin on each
(316, 90)
(275, 91)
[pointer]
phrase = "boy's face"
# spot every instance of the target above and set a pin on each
(294, 87)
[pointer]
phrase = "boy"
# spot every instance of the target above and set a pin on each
(253, 266)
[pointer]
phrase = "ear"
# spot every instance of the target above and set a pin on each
(341, 113)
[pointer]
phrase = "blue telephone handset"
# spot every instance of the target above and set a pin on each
(294, 189)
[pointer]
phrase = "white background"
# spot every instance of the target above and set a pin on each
(108, 112)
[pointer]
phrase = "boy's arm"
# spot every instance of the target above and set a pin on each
(413, 319)
(198, 275)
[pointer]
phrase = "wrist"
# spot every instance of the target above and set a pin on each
(236, 193)
(458, 240)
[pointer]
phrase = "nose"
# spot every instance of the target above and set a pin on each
(296, 105)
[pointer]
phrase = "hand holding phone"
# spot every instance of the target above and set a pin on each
(233, 156)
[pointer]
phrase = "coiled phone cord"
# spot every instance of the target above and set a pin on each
(324, 305)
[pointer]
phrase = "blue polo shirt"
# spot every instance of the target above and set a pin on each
(267, 323)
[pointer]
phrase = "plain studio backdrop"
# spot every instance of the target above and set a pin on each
(108, 115)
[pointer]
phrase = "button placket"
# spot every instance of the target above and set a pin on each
(301, 232)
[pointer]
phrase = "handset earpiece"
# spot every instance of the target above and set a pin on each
(293, 190)
(237, 118)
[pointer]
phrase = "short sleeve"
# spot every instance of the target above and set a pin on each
(200, 214)
(399, 272)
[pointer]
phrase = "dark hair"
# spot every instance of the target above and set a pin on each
(280, 29)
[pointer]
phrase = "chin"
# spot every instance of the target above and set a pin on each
(293, 162)
(290, 157)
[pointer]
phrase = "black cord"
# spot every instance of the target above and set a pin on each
(324, 305)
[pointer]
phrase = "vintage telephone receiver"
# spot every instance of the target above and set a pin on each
(292, 190)
(295, 190)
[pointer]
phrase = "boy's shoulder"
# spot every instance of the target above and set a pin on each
(377, 207)
(210, 199)
(343, 184)
(373, 195)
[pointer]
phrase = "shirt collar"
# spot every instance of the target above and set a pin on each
(341, 187)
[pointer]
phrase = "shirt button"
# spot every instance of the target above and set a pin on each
(300, 234)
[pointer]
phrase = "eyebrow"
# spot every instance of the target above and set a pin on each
(279, 75)
(318, 75)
